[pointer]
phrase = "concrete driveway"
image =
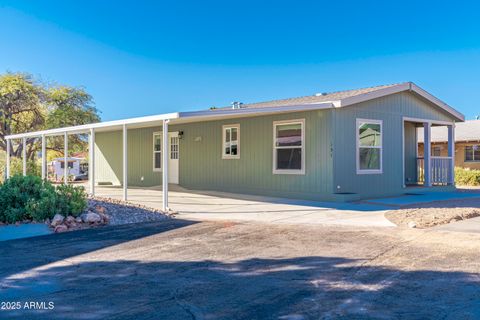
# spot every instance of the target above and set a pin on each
(216, 206)
(222, 270)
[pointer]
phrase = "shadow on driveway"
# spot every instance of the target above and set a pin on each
(297, 288)
(37, 251)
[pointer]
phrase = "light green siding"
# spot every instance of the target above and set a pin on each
(330, 153)
(201, 165)
(391, 110)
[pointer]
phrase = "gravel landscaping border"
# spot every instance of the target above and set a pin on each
(427, 215)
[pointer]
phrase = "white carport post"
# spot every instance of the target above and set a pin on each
(65, 158)
(451, 153)
(125, 163)
(24, 156)
(8, 159)
(427, 145)
(44, 158)
(91, 162)
(165, 165)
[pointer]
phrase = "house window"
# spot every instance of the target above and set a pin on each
(289, 147)
(436, 151)
(70, 164)
(157, 151)
(174, 148)
(472, 153)
(231, 142)
(369, 146)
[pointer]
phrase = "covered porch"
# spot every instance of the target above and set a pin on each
(423, 165)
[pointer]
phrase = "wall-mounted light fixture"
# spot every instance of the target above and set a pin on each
(180, 135)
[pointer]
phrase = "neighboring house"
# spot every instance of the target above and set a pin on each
(331, 146)
(467, 144)
(57, 167)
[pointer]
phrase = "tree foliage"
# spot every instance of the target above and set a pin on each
(29, 105)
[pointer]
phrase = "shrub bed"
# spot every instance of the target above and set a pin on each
(31, 198)
(467, 177)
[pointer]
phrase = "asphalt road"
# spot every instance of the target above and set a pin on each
(219, 270)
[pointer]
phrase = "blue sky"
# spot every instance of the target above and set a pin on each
(139, 58)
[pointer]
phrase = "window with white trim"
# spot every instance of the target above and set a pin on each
(369, 146)
(231, 141)
(289, 147)
(472, 153)
(157, 151)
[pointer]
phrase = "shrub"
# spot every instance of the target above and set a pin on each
(15, 195)
(467, 177)
(71, 199)
(30, 197)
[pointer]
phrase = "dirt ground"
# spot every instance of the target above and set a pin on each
(219, 270)
(427, 215)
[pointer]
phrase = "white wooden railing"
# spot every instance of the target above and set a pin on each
(440, 168)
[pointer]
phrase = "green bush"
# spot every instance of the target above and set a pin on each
(467, 177)
(31, 198)
(71, 199)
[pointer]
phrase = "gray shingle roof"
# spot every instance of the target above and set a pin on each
(332, 96)
(464, 131)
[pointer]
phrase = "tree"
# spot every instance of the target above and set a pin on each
(28, 105)
(21, 108)
(68, 106)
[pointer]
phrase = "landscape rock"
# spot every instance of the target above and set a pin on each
(78, 220)
(91, 217)
(70, 220)
(57, 219)
(61, 228)
(100, 209)
(412, 224)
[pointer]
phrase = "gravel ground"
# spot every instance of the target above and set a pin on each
(431, 214)
(121, 212)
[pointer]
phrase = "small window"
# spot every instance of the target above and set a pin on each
(289, 147)
(174, 148)
(157, 151)
(369, 146)
(231, 142)
(70, 164)
(436, 151)
(472, 153)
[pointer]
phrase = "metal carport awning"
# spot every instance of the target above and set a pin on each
(141, 122)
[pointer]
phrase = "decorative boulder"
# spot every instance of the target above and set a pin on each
(61, 228)
(57, 219)
(91, 217)
(100, 209)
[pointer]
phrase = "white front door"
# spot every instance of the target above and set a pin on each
(173, 157)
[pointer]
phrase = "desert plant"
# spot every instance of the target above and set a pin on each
(31, 198)
(467, 177)
(15, 195)
(71, 199)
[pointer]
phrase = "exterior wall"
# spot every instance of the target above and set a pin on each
(201, 165)
(391, 110)
(459, 154)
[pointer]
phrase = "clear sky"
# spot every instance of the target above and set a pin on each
(139, 58)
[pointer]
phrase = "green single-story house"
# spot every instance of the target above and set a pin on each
(336, 146)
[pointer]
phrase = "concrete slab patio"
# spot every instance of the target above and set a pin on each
(216, 206)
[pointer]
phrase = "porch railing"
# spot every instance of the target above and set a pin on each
(440, 170)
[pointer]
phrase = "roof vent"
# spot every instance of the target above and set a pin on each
(320, 94)
(236, 105)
